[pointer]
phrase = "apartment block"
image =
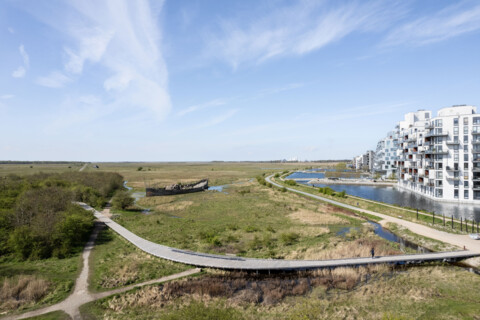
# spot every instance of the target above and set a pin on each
(386, 155)
(440, 157)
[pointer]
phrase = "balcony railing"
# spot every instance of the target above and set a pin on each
(437, 134)
(475, 132)
(453, 142)
(452, 168)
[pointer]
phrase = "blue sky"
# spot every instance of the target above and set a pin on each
(182, 80)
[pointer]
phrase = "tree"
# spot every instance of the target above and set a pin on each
(341, 166)
(122, 200)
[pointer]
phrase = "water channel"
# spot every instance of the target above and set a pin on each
(396, 196)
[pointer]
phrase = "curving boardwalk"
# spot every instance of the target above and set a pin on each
(251, 264)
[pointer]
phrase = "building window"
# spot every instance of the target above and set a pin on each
(455, 194)
(465, 177)
(439, 123)
(455, 157)
(465, 166)
(455, 184)
(465, 148)
(455, 148)
(455, 138)
(465, 184)
(455, 130)
(465, 194)
(465, 157)
(465, 130)
(455, 122)
(439, 193)
(439, 175)
(476, 120)
(465, 139)
(465, 121)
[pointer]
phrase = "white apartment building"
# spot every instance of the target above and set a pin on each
(386, 155)
(440, 157)
(364, 161)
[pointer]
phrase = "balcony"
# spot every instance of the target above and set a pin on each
(476, 160)
(436, 151)
(452, 168)
(476, 132)
(453, 178)
(438, 134)
(453, 142)
(476, 141)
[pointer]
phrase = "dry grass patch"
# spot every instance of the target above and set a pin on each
(174, 206)
(241, 289)
(341, 250)
(309, 231)
(21, 290)
(312, 217)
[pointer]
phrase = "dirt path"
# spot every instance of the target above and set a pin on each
(83, 168)
(458, 240)
(81, 295)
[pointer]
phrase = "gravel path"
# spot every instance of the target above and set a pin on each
(458, 240)
(81, 295)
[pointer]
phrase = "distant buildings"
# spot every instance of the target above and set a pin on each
(364, 161)
(436, 157)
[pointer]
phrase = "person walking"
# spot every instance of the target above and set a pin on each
(372, 252)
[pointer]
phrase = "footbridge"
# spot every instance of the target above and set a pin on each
(205, 260)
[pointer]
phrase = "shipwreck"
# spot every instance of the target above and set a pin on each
(178, 188)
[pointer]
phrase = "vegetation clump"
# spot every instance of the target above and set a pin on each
(291, 182)
(330, 192)
(37, 217)
(122, 200)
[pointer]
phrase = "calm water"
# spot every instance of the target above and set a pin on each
(399, 197)
(387, 235)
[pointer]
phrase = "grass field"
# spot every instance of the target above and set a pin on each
(115, 263)
(428, 292)
(27, 285)
(249, 219)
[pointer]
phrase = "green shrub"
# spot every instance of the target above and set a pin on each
(291, 182)
(283, 189)
(289, 237)
(122, 200)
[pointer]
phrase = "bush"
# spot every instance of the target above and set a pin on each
(289, 238)
(277, 175)
(291, 182)
(139, 168)
(261, 180)
(122, 200)
(283, 189)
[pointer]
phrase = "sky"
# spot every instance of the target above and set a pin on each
(128, 80)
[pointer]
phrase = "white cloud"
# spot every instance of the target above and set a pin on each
(19, 72)
(123, 39)
(25, 57)
(55, 79)
(92, 44)
(450, 22)
(22, 70)
(7, 96)
(219, 119)
(296, 30)
(212, 103)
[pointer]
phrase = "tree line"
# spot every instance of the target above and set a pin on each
(37, 217)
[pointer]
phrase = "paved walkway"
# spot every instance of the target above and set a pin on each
(249, 264)
(458, 240)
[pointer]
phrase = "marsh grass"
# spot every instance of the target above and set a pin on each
(116, 263)
(21, 290)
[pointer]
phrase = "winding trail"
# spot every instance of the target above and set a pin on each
(458, 240)
(81, 294)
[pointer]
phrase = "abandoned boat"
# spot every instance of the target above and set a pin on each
(178, 188)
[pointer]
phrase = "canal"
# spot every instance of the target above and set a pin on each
(393, 195)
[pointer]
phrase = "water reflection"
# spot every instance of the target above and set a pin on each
(393, 195)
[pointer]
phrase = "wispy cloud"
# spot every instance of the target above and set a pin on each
(447, 23)
(19, 72)
(55, 79)
(7, 96)
(219, 119)
(296, 30)
(197, 107)
(124, 38)
(22, 70)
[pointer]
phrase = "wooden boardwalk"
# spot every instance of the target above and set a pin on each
(250, 264)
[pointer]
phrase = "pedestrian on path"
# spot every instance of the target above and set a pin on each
(373, 252)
